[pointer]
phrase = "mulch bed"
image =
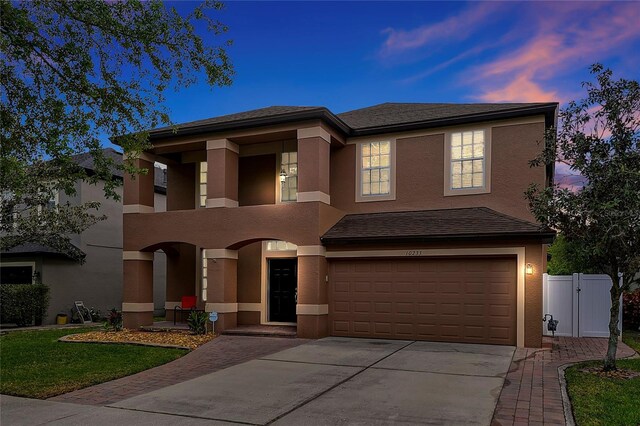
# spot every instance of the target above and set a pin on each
(620, 373)
(180, 339)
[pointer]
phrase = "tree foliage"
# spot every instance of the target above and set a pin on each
(599, 138)
(74, 72)
(568, 257)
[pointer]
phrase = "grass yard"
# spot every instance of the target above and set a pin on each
(601, 400)
(35, 365)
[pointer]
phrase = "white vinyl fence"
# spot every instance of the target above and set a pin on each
(580, 302)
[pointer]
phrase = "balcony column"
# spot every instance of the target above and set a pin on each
(181, 277)
(222, 173)
(222, 287)
(139, 189)
(312, 307)
(314, 145)
(137, 289)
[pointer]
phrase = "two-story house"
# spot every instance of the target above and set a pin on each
(401, 221)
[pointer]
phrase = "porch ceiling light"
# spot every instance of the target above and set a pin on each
(529, 269)
(283, 175)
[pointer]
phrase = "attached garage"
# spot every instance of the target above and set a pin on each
(468, 299)
(469, 275)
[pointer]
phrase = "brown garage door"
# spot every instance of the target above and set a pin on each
(442, 299)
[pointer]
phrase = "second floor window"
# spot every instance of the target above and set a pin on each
(468, 160)
(289, 163)
(375, 168)
(202, 184)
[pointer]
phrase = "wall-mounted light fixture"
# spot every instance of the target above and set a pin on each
(529, 269)
(283, 175)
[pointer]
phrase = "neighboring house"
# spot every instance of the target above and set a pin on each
(97, 282)
(404, 221)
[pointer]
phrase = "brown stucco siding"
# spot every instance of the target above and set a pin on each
(231, 228)
(181, 186)
(257, 180)
(138, 189)
(420, 174)
(249, 273)
(313, 165)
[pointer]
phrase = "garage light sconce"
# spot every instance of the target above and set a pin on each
(529, 269)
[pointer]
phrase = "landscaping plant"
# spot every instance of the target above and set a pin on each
(631, 310)
(23, 303)
(197, 322)
(114, 320)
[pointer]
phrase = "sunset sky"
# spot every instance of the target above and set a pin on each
(347, 55)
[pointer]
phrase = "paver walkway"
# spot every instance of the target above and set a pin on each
(220, 353)
(531, 394)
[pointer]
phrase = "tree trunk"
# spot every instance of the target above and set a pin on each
(614, 332)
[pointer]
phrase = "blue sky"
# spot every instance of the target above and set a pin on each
(347, 55)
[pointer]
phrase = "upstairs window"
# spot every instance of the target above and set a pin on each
(469, 163)
(289, 188)
(202, 184)
(375, 171)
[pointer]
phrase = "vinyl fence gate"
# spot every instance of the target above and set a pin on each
(581, 302)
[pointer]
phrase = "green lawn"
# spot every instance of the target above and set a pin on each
(606, 401)
(34, 364)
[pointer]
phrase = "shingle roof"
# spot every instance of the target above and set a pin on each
(426, 225)
(33, 249)
(375, 119)
(389, 114)
(268, 112)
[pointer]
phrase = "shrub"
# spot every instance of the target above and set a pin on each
(197, 322)
(631, 310)
(114, 320)
(23, 304)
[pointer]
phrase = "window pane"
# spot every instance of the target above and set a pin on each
(385, 147)
(384, 187)
(467, 138)
(456, 168)
(477, 166)
(293, 182)
(366, 176)
(478, 136)
(366, 188)
(375, 187)
(375, 161)
(456, 181)
(366, 162)
(456, 152)
(285, 158)
(293, 157)
(467, 180)
(467, 167)
(456, 139)
(375, 148)
(478, 180)
(203, 166)
(366, 149)
(384, 160)
(478, 150)
(467, 151)
(375, 175)
(384, 175)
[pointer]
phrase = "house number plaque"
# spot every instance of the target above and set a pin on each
(414, 253)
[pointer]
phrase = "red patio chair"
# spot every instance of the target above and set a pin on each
(188, 304)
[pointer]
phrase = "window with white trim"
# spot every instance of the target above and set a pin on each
(204, 276)
(202, 184)
(375, 168)
(468, 160)
(289, 188)
(277, 245)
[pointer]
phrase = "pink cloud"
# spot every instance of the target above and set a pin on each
(562, 44)
(521, 89)
(454, 28)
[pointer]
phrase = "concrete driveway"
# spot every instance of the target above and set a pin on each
(345, 381)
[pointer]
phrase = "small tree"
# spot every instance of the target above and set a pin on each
(568, 257)
(599, 138)
(74, 72)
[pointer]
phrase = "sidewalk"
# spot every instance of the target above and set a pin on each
(531, 394)
(220, 353)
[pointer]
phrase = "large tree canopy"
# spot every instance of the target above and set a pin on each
(599, 137)
(75, 72)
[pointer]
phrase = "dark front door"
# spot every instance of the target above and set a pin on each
(283, 285)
